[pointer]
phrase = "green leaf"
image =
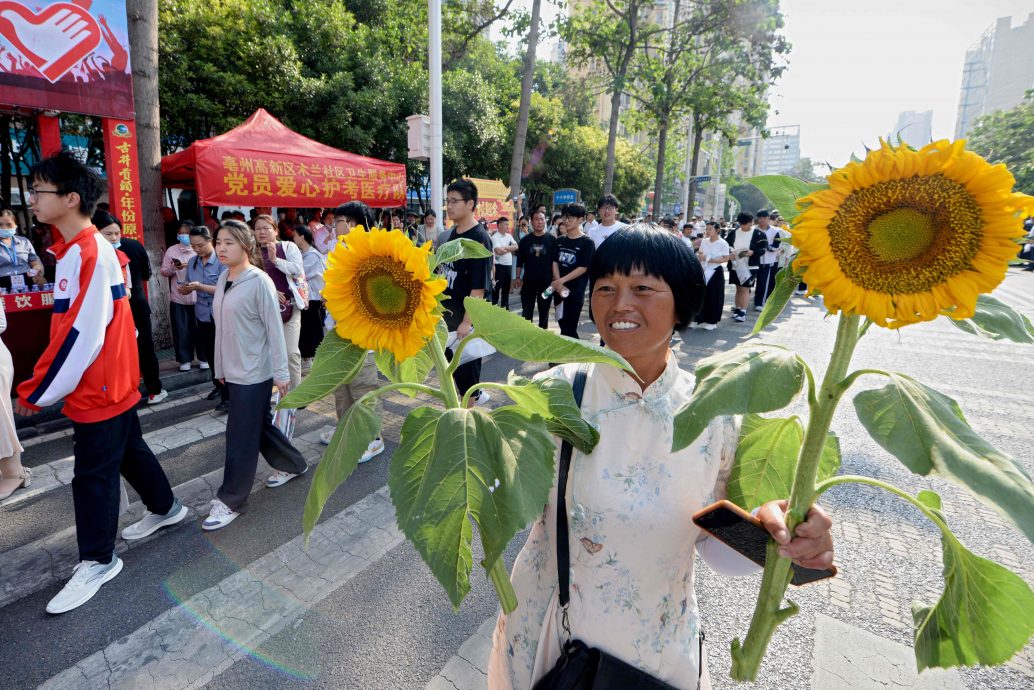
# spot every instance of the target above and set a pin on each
(983, 616)
(750, 378)
(784, 191)
(461, 248)
(786, 282)
(563, 417)
(766, 460)
(411, 370)
(337, 362)
(928, 433)
(458, 465)
(997, 320)
(516, 337)
(929, 499)
(354, 432)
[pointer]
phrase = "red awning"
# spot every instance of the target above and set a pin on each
(263, 163)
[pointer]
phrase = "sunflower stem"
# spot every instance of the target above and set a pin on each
(418, 387)
(445, 382)
(503, 588)
(769, 612)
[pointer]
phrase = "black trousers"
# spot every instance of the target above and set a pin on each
(501, 288)
(311, 334)
(766, 283)
(103, 450)
(250, 425)
(714, 298)
(530, 296)
(467, 376)
(184, 335)
(145, 351)
(206, 341)
(572, 312)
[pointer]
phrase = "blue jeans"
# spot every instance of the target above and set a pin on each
(184, 333)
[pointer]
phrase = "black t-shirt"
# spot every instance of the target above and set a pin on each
(535, 254)
(139, 270)
(571, 254)
(465, 275)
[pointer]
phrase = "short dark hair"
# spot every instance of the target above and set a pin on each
(575, 210)
(201, 231)
(102, 219)
(607, 200)
(657, 253)
(357, 212)
(502, 219)
(465, 188)
(743, 218)
(69, 175)
(762, 214)
(227, 215)
(429, 212)
(188, 224)
(305, 232)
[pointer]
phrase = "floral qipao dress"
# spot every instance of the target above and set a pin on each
(630, 504)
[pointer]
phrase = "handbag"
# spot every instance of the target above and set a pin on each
(284, 420)
(581, 667)
(299, 286)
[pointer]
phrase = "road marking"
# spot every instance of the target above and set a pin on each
(192, 643)
(468, 669)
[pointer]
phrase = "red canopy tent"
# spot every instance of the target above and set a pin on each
(263, 163)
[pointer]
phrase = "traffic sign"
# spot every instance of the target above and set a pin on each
(702, 178)
(565, 196)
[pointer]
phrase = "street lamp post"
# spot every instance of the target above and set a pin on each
(434, 25)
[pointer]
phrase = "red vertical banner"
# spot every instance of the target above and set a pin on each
(49, 134)
(123, 171)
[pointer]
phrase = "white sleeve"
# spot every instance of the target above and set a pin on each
(292, 265)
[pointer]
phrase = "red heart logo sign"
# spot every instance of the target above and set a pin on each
(54, 40)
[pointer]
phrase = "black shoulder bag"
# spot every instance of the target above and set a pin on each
(581, 667)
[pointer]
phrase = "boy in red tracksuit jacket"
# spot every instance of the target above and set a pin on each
(91, 364)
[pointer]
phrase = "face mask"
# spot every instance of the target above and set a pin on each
(183, 239)
(6, 234)
(118, 244)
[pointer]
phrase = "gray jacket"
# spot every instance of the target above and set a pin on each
(249, 336)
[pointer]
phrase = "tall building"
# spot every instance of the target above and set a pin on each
(781, 150)
(998, 70)
(914, 128)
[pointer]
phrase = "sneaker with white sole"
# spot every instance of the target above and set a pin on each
(86, 581)
(151, 523)
(220, 516)
(709, 326)
(204, 366)
(185, 367)
(375, 448)
(326, 437)
(279, 478)
(739, 318)
(482, 398)
(758, 307)
(157, 397)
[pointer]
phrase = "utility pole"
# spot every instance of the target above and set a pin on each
(434, 60)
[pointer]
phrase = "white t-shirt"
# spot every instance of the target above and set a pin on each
(771, 255)
(501, 240)
(712, 249)
(587, 228)
(742, 240)
(602, 232)
(687, 241)
(699, 227)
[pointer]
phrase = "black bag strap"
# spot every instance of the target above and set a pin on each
(563, 538)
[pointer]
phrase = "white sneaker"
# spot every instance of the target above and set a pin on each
(483, 398)
(306, 364)
(758, 308)
(151, 523)
(220, 516)
(157, 397)
(204, 365)
(185, 367)
(709, 326)
(375, 448)
(800, 293)
(279, 478)
(692, 326)
(326, 437)
(739, 318)
(86, 581)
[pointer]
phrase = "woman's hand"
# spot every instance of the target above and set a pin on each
(812, 545)
(557, 285)
(39, 278)
(282, 387)
(282, 297)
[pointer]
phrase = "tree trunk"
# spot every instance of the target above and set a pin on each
(658, 182)
(520, 137)
(615, 97)
(698, 139)
(143, 50)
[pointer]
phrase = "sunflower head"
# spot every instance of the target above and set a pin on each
(381, 292)
(907, 235)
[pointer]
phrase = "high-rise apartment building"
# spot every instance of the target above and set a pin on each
(781, 150)
(998, 71)
(913, 128)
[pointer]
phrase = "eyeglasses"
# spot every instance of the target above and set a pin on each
(453, 202)
(36, 192)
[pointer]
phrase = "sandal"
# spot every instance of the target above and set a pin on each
(26, 482)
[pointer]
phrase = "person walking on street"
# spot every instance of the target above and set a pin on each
(504, 247)
(747, 244)
(769, 264)
(250, 358)
(282, 261)
(713, 254)
(181, 306)
(466, 278)
(312, 318)
(535, 269)
(571, 259)
(203, 273)
(90, 364)
(139, 274)
(607, 210)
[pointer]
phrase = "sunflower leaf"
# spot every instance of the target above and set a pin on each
(766, 460)
(997, 320)
(353, 434)
(784, 191)
(337, 362)
(562, 415)
(461, 248)
(786, 282)
(458, 466)
(983, 614)
(516, 337)
(928, 433)
(410, 370)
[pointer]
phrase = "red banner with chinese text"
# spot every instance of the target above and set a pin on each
(123, 175)
(28, 301)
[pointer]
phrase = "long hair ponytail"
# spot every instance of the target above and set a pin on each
(243, 235)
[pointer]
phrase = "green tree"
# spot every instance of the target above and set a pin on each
(1008, 137)
(805, 170)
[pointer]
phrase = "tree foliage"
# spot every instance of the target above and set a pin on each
(1008, 137)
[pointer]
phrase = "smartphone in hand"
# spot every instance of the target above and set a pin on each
(735, 527)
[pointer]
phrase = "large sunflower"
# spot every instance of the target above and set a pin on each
(381, 292)
(906, 235)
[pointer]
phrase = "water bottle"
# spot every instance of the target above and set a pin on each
(547, 293)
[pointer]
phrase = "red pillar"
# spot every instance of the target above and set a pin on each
(49, 134)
